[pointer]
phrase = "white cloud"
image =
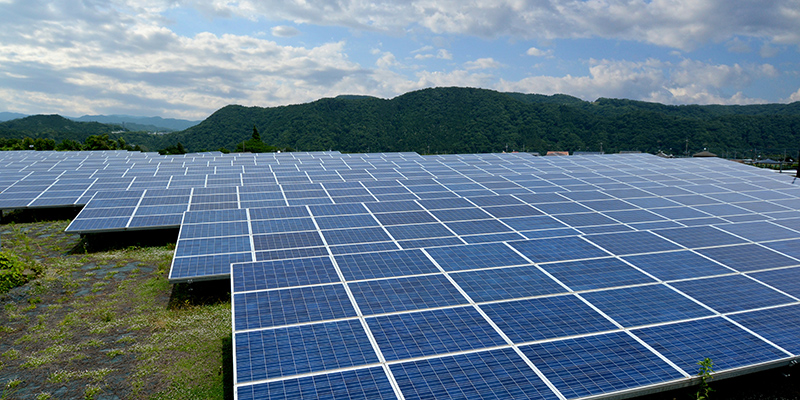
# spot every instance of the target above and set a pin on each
(285, 31)
(683, 24)
(482, 63)
(533, 51)
(768, 51)
(795, 96)
(386, 60)
(444, 55)
(738, 46)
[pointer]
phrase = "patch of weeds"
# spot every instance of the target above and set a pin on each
(115, 352)
(6, 329)
(126, 339)
(38, 361)
(64, 376)
(92, 391)
(11, 354)
(44, 396)
(24, 339)
(98, 286)
(92, 343)
(10, 387)
(12, 271)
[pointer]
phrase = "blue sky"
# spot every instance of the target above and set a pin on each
(188, 58)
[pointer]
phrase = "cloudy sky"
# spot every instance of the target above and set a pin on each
(188, 58)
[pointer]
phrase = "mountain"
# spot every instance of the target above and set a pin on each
(468, 120)
(59, 128)
(7, 116)
(149, 124)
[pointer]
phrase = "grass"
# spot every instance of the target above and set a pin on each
(99, 319)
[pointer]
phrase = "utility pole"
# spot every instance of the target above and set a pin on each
(687, 147)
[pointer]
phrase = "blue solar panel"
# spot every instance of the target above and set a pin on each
(506, 283)
(458, 258)
(546, 318)
(392, 295)
(266, 309)
(291, 253)
(520, 210)
(363, 248)
(214, 216)
(700, 236)
(207, 266)
(533, 223)
(295, 350)
(732, 293)
(192, 231)
(478, 227)
(748, 257)
(562, 208)
(596, 274)
(283, 273)
(346, 221)
(498, 374)
(787, 280)
(727, 345)
(645, 305)
(426, 333)
(394, 206)
(384, 264)
(351, 236)
(213, 245)
(360, 384)
(278, 212)
(283, 225)
(418, 231)
(677, 265)
(460, 214)
(759, 231)
(632, 243)
(631, 216)
(780, 325)
(286, 240)
(599, 364)
(557, 249)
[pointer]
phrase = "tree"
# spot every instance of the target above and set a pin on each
(256, 136)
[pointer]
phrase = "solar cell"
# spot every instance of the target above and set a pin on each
(409, 335)
(778, 325)
(506, 283)
(732, 293)
(644, 305)
(384, 264)
(458, 258)
(401, 294)
(255, 310)
(546, 318)
(497, 374)
(359, 384)
(748, 257)
(558, 249)
(696, 237)
(632, 243)
(600, 364)
(728, 346)
(296, 350)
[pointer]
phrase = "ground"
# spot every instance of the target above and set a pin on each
(101, 321)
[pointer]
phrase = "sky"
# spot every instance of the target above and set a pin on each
(189, 58)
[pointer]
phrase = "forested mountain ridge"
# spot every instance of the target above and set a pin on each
(466, 120)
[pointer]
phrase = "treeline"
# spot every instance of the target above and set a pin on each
(93, 142)
(464, 120)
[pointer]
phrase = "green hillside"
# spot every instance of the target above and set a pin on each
(465, 120)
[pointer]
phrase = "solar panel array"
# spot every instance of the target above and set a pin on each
(460, 276)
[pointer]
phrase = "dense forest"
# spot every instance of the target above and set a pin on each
(466, 120)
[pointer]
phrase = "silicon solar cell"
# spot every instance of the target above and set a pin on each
(272, 308)
(696, 237)
(778, 325)
(726, 344)
(284, 273)
(401, 294)
(384, 264)
(596, 273)
(545, 318)
(477, 227)
(558, 249)
(748, 257)
(360, 384)
(295, 350)
(598, 364)
(644, 305)
(506, 283)
(497, 374)
(759, 231)
(409, 335)
(632, 243)
(786, 280)
(458, 258)
(732, 293)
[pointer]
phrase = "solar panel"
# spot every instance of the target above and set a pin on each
(312, 243)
